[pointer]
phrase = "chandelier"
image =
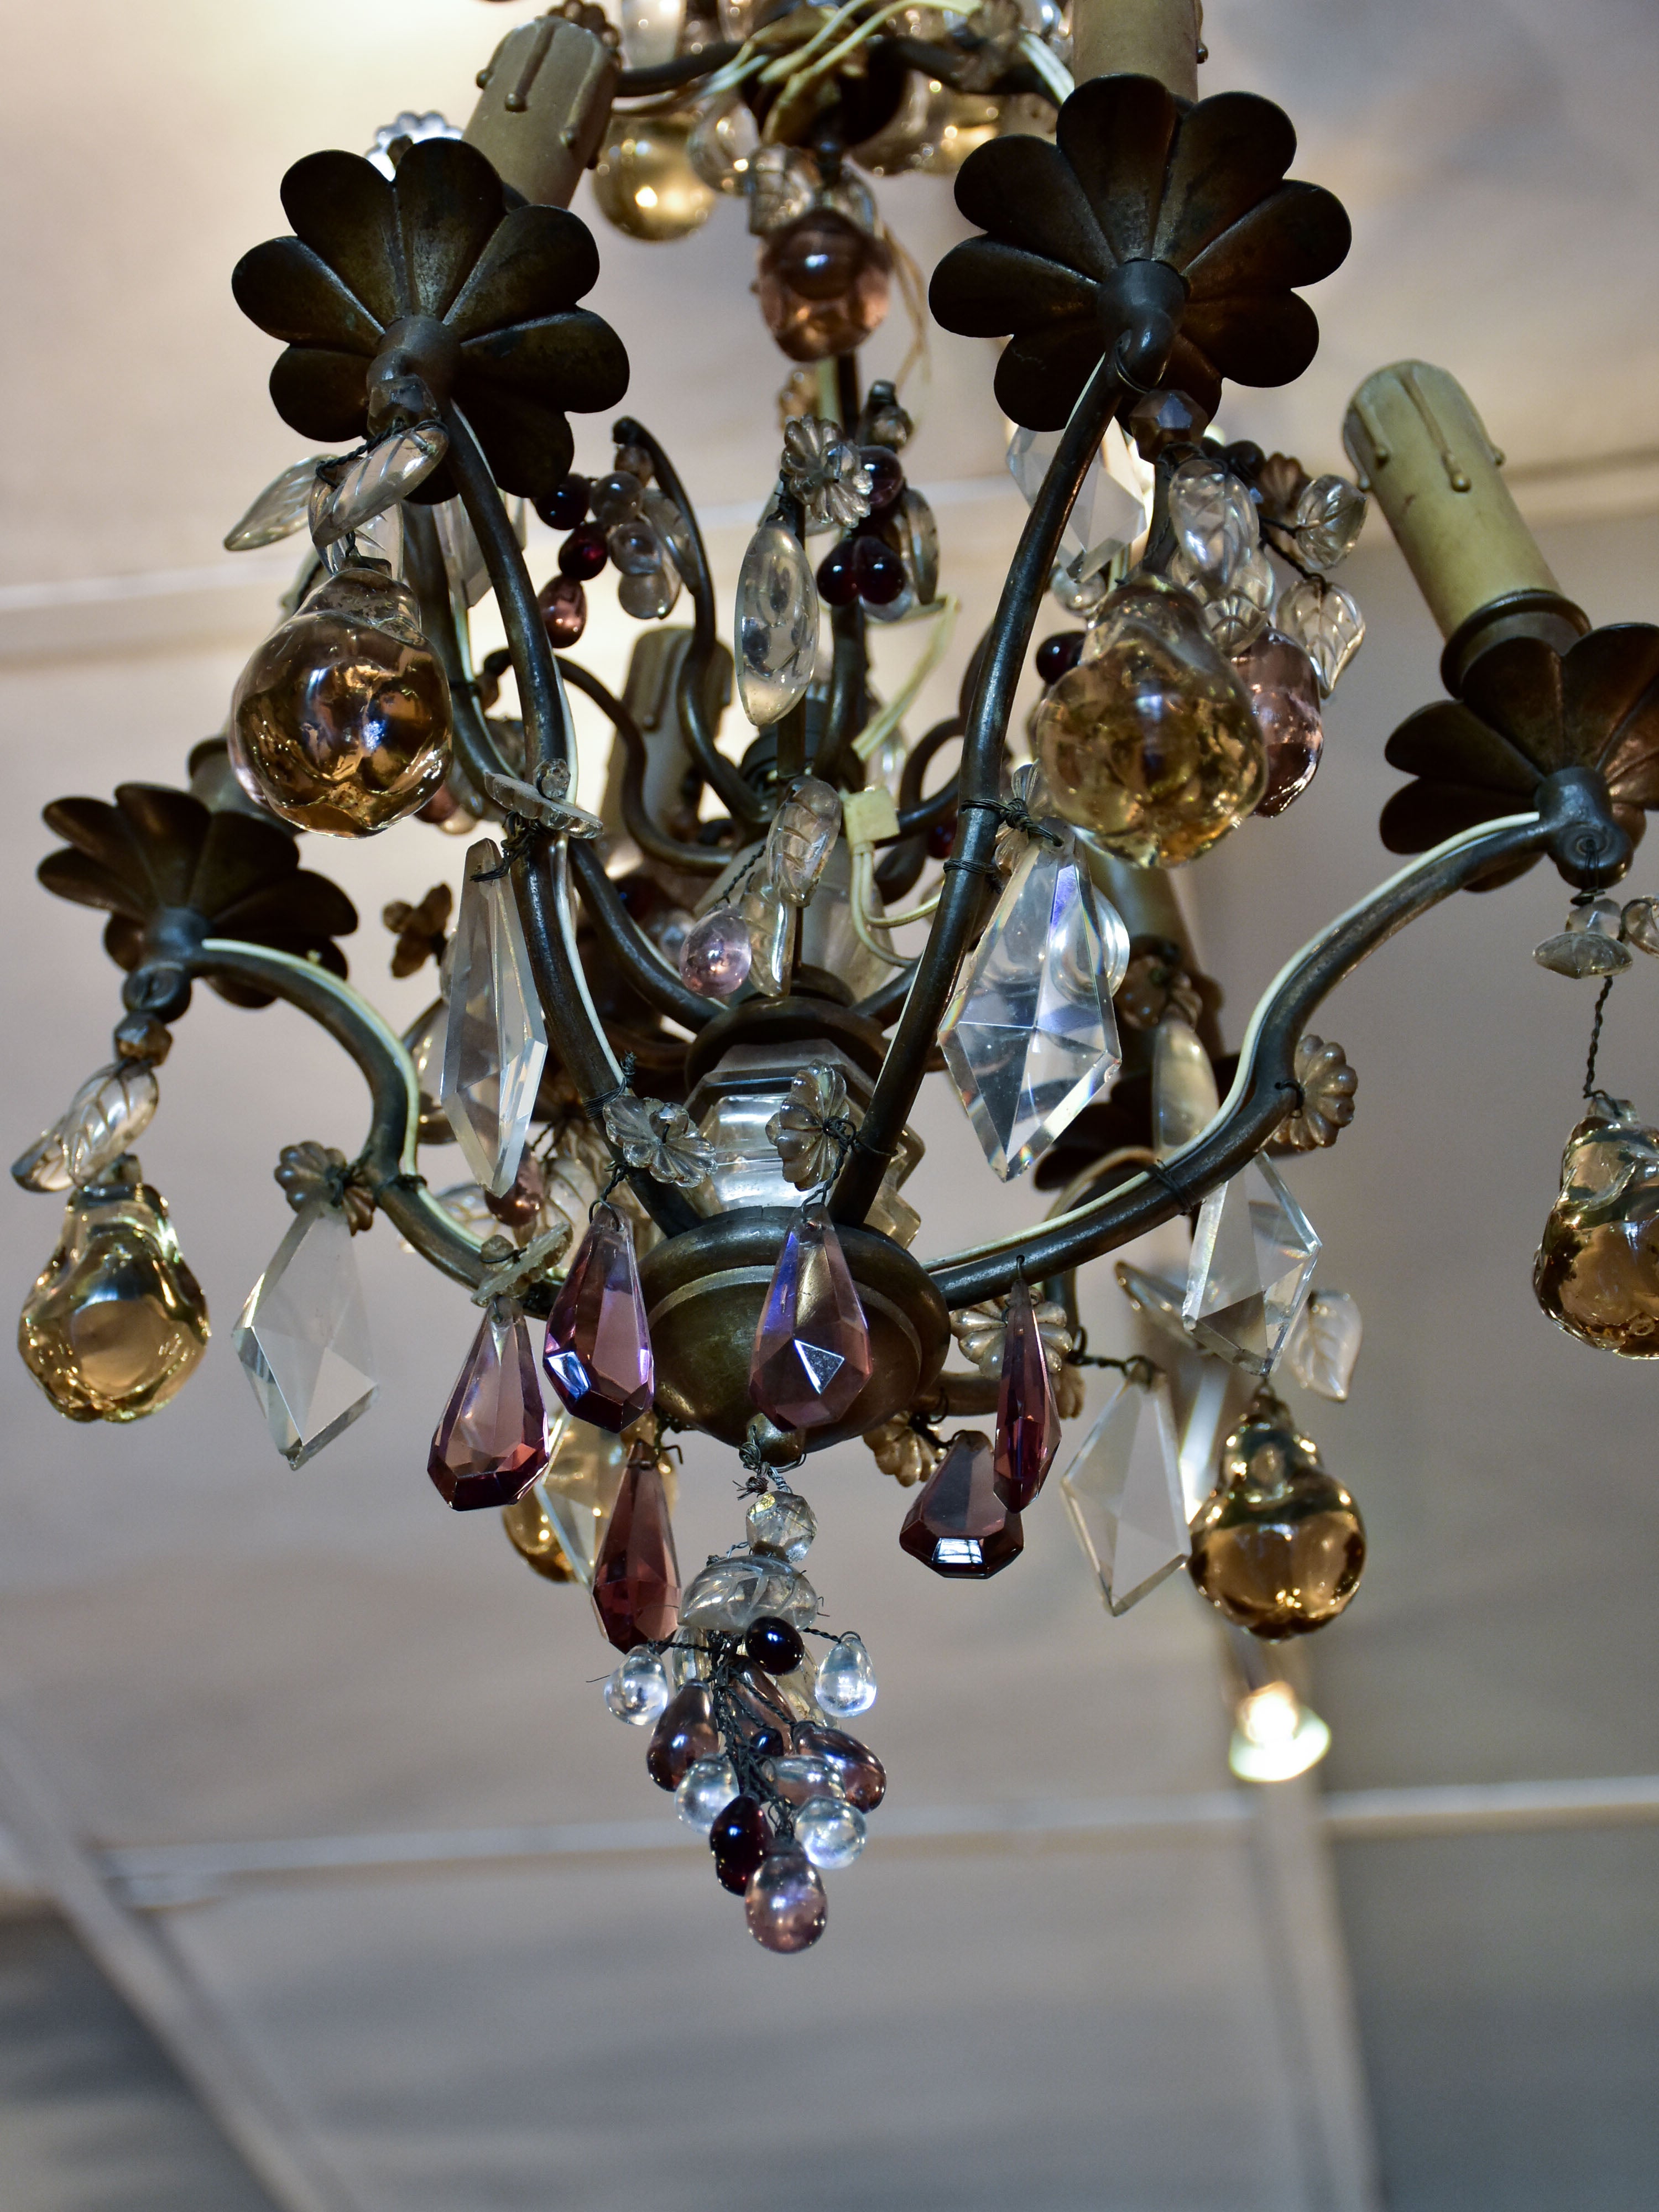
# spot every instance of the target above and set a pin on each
(675, 1043)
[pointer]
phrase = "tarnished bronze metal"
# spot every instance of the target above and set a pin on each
(1166, 232)
(805, 1022)
(545, 99)
(703, 1295)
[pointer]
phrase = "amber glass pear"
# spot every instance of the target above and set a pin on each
(340, 720)
(117, 1321)
(1280, 1546)
(1149, 743)
(1597, 1271)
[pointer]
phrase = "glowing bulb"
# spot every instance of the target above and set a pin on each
(1275, 1736)
(646, 196)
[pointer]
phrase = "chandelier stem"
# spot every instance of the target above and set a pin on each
(980, 779)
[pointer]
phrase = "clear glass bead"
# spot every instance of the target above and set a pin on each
(847, 1681)
(729, 1593)
(777, 625)
(798, 1778)
(782, 1521)
(709, 1786)
(830, 1831)
(638, 1689)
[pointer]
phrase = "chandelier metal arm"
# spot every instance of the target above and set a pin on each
(446, 633)
(1256, 1103)
(643, 967)
(652, 841)
(723, 776)
(979, 779)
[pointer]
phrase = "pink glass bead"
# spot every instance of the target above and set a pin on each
(812, 1354)
(598, 1349)
(785, 1905)
(958, 1526)
(716, 955)
(636, 1573)
(1284, 697)
(1028, 1419)
(491, 1443)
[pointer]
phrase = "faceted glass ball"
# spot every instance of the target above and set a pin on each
(1597, 1271)
(116, 1322)
(341, 720)
(1280, 1546)
(823, 285)
(644, 181)
(1150, 743)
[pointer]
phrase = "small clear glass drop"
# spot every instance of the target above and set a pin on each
(639, 1690)
(847, 1681)
(830, 1831)
(708, 1788)
(777, 625)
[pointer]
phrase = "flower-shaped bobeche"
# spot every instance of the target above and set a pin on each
(169, 874)
(395, 296)
(1138, 177)
(1527, 712)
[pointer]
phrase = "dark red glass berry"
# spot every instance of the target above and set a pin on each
(739, 1840)
(566, 505)
(886, 476)
(877, 570)
(773, 1644)
(837, 585)
(942, 836)
(769, 1743)
(583, 554)
(1058, 653)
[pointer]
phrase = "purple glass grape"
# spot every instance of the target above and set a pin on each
(715, 957)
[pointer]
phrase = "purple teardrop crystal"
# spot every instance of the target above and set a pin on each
(636, 1575)
(598, 1348)
(785, 1905)
(860, 1775)
(1284, 699)
(1028, 1419)
(958, 1526)
(684, 1733)
(812, 1354)
(491, 1442)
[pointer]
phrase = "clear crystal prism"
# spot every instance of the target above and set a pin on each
(495, 1041)
(1031, 1036)
(1323, 1344)
(580, 1488)
(303, 1337)
(1124, 1494)
(1105, 517)
(1184, 1095)
(1254, 1251)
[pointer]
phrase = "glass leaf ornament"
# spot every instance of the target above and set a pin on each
(1639, 924)
(1328, 520)
(341, 720)
(1254, 1251)
(115, 1323)
(636, 1575)
(110, 1111)
(41, 1166)
(1326, 623)
(1185, 1100)
(1323, 1344)
(1280, 1547)
(1150, 743)
(598, 1355)
(811, 1355)
(803, 832)
(1105, 517)
(1284, 692)
(303, 1337)
(281, 508)
(1597, 1271)
(495, 1037)
(1213, 516)
(387, 472)
(770, 920)
(557, 1525)
(491, 1441)
(777, 625)
(1236, 609)
(1591, 944)
(1029, 1037)
(1028, 1419)
(958, 1526)
(1123, 1490)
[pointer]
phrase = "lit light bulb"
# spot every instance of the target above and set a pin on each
(1275, 1736)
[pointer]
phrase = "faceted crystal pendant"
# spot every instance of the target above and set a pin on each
(578, 1490)
(1184, 1095)
(1323, 1344)
(1254, 1251)
(803, 830)
(812, 1354)
(1105, 518)
(1028, 1419)
(958, 1526)
(303, 1337)
(491, 1442)
(777, 625)
(1030, 1039)
(598, 1348)
(1123, 1492)
(636, 1577)
(116, 1322)
(495, 1041)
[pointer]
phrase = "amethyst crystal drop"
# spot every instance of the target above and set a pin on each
(636, 1575)
(491, 1442)
(812, 1354)
(717, 954)
(1028, 1419)
(598, 1349)
(785, 1905)
(1284, 699)
(684, 1733)
(958, 1526)
(858, 1774)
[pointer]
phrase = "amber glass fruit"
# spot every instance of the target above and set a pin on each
(116, 1322)
(644, 181)
(341, 720)
(1597, 1271)
(1149, 744)
(1280, 1546)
